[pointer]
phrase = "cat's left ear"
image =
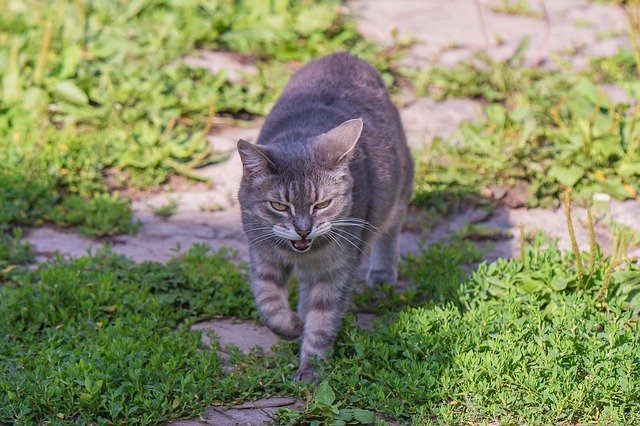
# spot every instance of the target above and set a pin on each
(255, 159)
(338, 143)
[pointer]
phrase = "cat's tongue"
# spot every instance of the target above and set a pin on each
(302, 244)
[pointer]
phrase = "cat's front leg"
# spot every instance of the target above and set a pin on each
(326, 304)
(270, 290)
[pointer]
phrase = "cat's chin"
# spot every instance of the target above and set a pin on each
(301, 245)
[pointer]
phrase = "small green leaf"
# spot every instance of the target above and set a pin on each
(568, 176)
(560, 284)
(629, 169)
(70, 60)
(67, 90)
(325, 394)
(531, 285)
(315, 18)
(363, 416)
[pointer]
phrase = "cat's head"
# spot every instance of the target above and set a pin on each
(292, 191)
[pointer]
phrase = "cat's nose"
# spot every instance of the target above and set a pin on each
(302, 225)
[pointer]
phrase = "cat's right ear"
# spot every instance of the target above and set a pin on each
(339, 143)
(254, 158)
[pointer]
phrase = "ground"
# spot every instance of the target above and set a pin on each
(445, 33)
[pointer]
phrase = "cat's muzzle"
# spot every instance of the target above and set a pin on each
(301, 245)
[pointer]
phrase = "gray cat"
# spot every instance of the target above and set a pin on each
(330, 177)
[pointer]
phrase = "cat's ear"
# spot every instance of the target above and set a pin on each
(254, 158)
(338, 143)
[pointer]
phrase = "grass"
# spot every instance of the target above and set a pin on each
(167, 209)
(98, 88)
(529, 340)
(95, 89)
(524, 341)
(13, 252)
(102, 339)
(514, 7)
(544, 131)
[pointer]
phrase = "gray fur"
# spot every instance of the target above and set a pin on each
(335, 135)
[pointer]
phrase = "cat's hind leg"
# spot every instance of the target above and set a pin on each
(385, 251)
(305, 282)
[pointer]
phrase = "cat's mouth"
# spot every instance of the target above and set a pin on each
(301, 245)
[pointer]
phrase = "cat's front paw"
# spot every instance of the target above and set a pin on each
(306, 374)
(286, 324)
(376, 277)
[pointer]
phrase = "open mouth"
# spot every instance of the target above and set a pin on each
(301, 245)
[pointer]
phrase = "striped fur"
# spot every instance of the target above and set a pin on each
(333, 157)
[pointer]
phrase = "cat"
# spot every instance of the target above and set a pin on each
(330, 177)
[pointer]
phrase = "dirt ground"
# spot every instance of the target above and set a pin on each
(445, 32)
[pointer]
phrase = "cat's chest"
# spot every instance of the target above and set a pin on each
(324, 258)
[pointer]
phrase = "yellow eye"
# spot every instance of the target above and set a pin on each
(322, 204)
(278, 206)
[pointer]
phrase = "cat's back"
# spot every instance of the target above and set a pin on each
(324, 93)
(338, 72)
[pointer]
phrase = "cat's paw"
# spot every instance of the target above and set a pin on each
(306, 374)
(376, 277)
(287, 325)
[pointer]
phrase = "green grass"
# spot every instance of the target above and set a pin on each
(167, 209)
(544, 131)
(102, 339)
(432, 277)
(91, 89)
(619, 68)
(13, 252)
(95, 88)
(514, 7)
(529, 344)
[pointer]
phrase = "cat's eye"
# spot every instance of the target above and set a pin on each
(322, 204)
(278, 206)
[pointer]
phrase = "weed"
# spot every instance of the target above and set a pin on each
(582, 23)
(521, 239)
(322, 409)
(619, 68)
(544, 131)
(167, 209)
(88, 86)
(514, 7)
(104, 338)
(633, 19)
(13, 253)
(211, 206)
(101, 215)
(433, 274)
(592, 242)
(523, 349)
(572, 236)
(602, 216)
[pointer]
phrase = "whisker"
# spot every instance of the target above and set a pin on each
(356, 220)
(347, 240)
(250, 233)
(258, 228)
(357, 225)
(261, 238)
(328, 235)
(353, 235)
